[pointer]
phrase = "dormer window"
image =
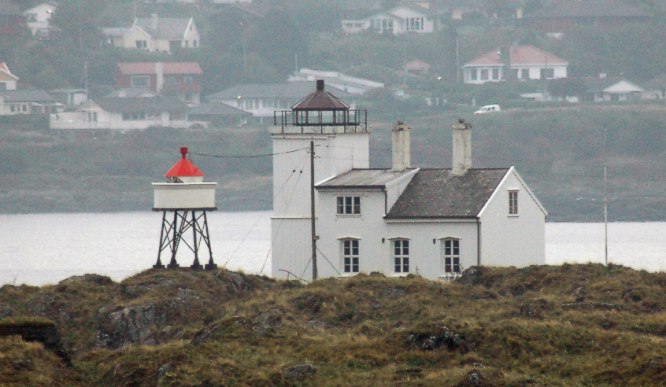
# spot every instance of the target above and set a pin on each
(349, 205)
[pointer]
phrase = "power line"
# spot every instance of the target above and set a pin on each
(247, 156)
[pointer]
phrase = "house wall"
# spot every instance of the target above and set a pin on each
(375, 254)
(534, 72)
(129, 40)
(38, 17)
(7, 82)
(512, 240)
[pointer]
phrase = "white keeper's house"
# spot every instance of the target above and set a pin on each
(398, 220)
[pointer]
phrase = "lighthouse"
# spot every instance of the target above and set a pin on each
(323, 127)
(184, 200)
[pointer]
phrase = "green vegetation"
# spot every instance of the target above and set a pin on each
(559, 152)
(567, 325)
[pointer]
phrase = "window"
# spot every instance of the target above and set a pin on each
(187, 79)
(547, 73)
(473, 74)
(349, 205)
(451, 255)
(496, 74)
(140, 80)
(484, 75)
(525, 74)
(513, 202)
(515, 74)
(141, 44)
(350, 255)
(401, 255)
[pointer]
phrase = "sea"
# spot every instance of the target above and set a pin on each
(44, 249)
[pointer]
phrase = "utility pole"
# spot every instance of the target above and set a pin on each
(312, 212)
(605, 198)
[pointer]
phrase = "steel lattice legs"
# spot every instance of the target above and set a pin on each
(173, 233)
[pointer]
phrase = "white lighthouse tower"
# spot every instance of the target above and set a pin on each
(324, 126)
(185, 194)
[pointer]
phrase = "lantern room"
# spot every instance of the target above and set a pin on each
(185, 188)
(321, 112)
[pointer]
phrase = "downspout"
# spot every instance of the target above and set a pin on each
(385, 201)
(478, 241)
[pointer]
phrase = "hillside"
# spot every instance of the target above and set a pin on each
(567, 325)
(559, 151)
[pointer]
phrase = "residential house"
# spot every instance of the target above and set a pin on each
(70, 98)
(18, 102)
(178, 79)
(612, 89)
(338, 80)
(7, 79)
(562, 16)
(398, 220)
(156, 34)
(11, 19)
(38, 20)
(416, 67)
(262, 100)
(128, 113)
(397, 20)
(524, 62)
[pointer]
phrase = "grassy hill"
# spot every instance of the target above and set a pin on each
(559, 151)
(567, 325)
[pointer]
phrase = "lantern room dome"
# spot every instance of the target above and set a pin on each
(184, 170)
(320, 99)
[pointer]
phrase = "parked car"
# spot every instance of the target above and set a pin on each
(488, 109)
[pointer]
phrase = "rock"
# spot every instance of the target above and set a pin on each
(394, 292)
(95, 279)
(433, 338)
(299, 373)
(266, 323)
(471, 276)
(310, 302)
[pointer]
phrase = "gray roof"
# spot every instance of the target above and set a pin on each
(131, 92)
(601, 84)
(167, 27)
(148, 104)
(216, 109)
(295, 90)
(436, 193)
(589, 8)
(363, 178)
(39, 96)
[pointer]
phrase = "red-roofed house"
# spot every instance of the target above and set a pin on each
(525, 62)
(178, 79)
(416, 67)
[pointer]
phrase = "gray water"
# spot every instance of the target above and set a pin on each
(41, 249)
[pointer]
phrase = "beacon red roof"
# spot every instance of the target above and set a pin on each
(184, 167)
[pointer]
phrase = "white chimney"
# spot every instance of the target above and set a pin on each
(153, 21)
(401, 153)
(462, 147)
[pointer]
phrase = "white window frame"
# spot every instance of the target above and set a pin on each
(513, 202)
(348, 205)
(350, 256)
(452, 254)
(400, 255)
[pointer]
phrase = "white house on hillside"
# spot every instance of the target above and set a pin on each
(38, 19)
(341, 81)
(398, 20)
(156, 34)
(7, 79)
(397, 220)
(525, 62)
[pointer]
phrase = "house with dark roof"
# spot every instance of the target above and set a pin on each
(178, 79)
(399, 220)
(126, 113)
(27, 101)
(156, 34)
(524, 62)
(562, 16)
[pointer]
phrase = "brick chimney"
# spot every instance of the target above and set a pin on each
(401, 153)
(462, 147)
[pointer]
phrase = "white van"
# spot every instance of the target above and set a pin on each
(488, 109)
